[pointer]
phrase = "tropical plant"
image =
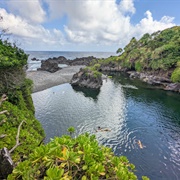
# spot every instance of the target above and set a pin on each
(80, 158)
(71, 130)
(11, 55)
(119, 50)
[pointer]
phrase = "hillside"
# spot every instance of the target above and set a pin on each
(154, 59)
(157, 54)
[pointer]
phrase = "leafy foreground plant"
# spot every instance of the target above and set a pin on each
(80, 158)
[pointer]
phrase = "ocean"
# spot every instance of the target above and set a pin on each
(43, 55)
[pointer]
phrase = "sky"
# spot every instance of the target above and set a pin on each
(84, 25)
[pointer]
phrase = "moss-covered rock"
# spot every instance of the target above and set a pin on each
(87, 77)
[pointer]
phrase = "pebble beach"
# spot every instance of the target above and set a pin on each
(43, 80)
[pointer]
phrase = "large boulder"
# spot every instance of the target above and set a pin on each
(50, 66)
(87, 78)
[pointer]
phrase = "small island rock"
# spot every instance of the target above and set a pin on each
(86, 78)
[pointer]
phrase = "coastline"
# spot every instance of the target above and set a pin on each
(43, 80)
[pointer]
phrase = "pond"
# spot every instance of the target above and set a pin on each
(144, 123)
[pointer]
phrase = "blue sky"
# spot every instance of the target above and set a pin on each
(84, 25)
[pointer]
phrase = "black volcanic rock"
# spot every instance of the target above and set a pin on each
(82, 61)
(86, 78)
(49, 66)
(35, 59)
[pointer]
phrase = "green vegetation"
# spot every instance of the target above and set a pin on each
(11, 55)
(176, 74)
(119, 50)
(31, 133)
(18, 108)
(93, 70)
(71, 130)
(62, 158)
(80, 158)
(157, 52)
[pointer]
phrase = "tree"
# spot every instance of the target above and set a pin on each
(119, 51)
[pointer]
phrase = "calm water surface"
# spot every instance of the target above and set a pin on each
(132, 110)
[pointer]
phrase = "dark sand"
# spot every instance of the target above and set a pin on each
(43, 79)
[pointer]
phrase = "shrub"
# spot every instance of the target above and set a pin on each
(31, 133)
(138, 66)
(80, 158)
(175, 77)
(11, 55)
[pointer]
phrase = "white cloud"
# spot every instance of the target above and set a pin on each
(32, 33)
(29, 10)
(127, 6)
(97, 23)
(92, 21)
(104, 22)
(149, 25)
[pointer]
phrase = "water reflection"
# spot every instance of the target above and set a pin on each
(91, 93)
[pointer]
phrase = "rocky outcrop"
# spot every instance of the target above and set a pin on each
(58, 60)
(35, 59)
(86, 78)
(49, 66)
(173, 87)
(110, 67)
(160, 81)
(82, 61)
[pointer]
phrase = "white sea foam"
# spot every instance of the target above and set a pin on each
(129, 86)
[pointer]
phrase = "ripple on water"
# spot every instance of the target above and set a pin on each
(131, 114)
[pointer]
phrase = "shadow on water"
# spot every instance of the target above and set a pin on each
(146, 92)
(90, 93)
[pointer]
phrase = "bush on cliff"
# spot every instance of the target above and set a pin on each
(31, 133)
(159, 50)
(11, 55)
(175, 77)
(80, 158)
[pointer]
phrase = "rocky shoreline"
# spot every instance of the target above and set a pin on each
(159, 80)
(52, 64)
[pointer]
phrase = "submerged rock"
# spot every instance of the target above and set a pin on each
(87, 78)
